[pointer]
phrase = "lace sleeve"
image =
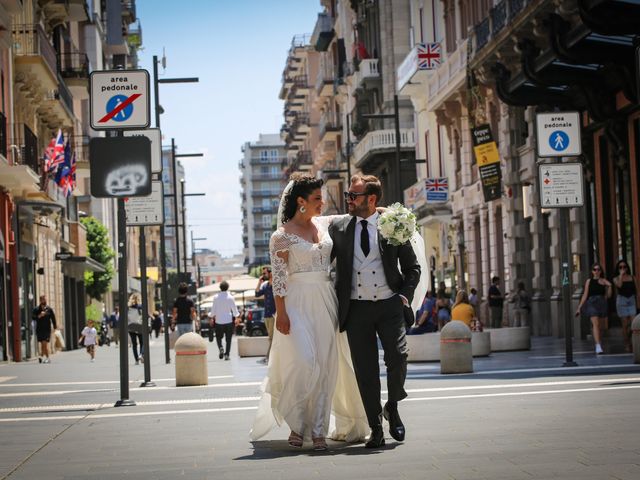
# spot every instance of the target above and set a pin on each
(278, 250)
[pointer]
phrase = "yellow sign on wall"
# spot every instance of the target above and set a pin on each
(486, 153)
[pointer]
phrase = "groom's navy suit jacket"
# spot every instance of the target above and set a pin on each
(403, 281)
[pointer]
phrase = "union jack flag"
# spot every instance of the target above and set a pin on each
(429, 55)
(439, 184)
(66, 174)
(54, 153)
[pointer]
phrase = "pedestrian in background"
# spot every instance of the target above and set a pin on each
(425, 316)
(597, 290)
(134, 320)
(45, 320)
(625, 299)
(462, 310)
(522, 307)
(184, 311)
(156, 324)
(496, 300)
(224, 312)
(114, 322)
(265, 289)
(88, 338)
(473, 298)
(443, 308)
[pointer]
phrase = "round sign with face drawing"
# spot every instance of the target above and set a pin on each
(120, 167)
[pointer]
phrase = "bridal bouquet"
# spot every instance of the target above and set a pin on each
(397, 224)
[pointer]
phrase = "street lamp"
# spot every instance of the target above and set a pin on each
(163, 253)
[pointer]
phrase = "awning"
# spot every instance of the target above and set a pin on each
(241, 283)
(75, 266)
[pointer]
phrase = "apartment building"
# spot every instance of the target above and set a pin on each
(503, 62)
(262, 182)
(47, 49)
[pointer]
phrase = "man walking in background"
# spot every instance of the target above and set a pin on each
(223, 313)
(184, 311)
(496, 299)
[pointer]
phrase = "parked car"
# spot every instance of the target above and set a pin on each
(254, 323)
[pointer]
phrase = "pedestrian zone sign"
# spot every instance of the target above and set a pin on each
(561, 185)
(119, 99)
(146, 210)
(558, 134)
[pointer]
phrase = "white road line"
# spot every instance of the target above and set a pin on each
(520, 385)
(416, 372)
(590, 352)
(515, 394)
(237, 409)
(99, 382)
(140, 389)
(97, 406)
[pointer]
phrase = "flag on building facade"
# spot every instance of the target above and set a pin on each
(429, 56)
(54, 153)
(66, 173)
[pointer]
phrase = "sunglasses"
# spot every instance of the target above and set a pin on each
(597, 269)
(622, 267)
(353, 195)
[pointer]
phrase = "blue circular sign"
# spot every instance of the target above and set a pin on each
(122, 115)
(559, 141)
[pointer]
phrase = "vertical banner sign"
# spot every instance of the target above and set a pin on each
(488, 160)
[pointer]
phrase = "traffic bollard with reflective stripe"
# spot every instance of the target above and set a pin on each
(455, 348)
(191, 360)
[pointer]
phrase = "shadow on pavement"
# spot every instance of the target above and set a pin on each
(267, 449)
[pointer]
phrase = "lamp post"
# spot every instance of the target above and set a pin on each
(184, 218)
(194, 264)
(163, 253)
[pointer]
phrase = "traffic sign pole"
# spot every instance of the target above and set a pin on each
(145, 311)
(566, 288)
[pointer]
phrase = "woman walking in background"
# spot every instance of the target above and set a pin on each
(134, 318)
(625, 299)
(597, 290)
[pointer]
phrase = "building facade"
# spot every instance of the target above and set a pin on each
(262, 182)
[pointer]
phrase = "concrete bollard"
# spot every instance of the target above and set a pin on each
(455, 348)
(191, 361)
(635, 338)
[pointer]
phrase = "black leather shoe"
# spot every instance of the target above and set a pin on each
(396, 427)
(376, 439)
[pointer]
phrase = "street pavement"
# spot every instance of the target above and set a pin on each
(520, 415)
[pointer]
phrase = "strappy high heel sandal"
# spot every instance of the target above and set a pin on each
(319, 444)
(295, 439)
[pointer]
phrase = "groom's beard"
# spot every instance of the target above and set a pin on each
(361, 211)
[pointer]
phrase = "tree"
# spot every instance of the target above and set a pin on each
(98, 283)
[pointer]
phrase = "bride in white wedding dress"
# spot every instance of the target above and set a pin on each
(310, 383)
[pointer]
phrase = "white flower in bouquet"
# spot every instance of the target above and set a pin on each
(397, 224)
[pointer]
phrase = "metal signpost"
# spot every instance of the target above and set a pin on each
(119, 100)
(561, 186)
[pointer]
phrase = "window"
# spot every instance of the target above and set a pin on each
(264, 156)
(266, 221)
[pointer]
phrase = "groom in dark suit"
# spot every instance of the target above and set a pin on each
(373, 299)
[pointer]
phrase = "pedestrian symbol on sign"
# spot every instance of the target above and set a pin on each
(559, 141)
(115, 104)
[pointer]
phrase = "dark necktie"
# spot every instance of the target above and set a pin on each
(364, 238)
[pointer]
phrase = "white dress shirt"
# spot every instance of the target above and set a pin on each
(372, 230)
(224, 308)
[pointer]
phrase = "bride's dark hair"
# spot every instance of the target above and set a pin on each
(303, 185)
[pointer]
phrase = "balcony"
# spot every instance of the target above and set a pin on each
(266, 160)
(501, 15)
(365, 74)
(449, 77)
(266, 193)
(265, 209)
(261, 243)
(323, 32)
(325, 78)
(382, 141)
(266, 176)
(35, 58)
(129, 11)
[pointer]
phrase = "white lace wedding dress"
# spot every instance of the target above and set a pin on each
(310, 383)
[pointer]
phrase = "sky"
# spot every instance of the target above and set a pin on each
(238, 50)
